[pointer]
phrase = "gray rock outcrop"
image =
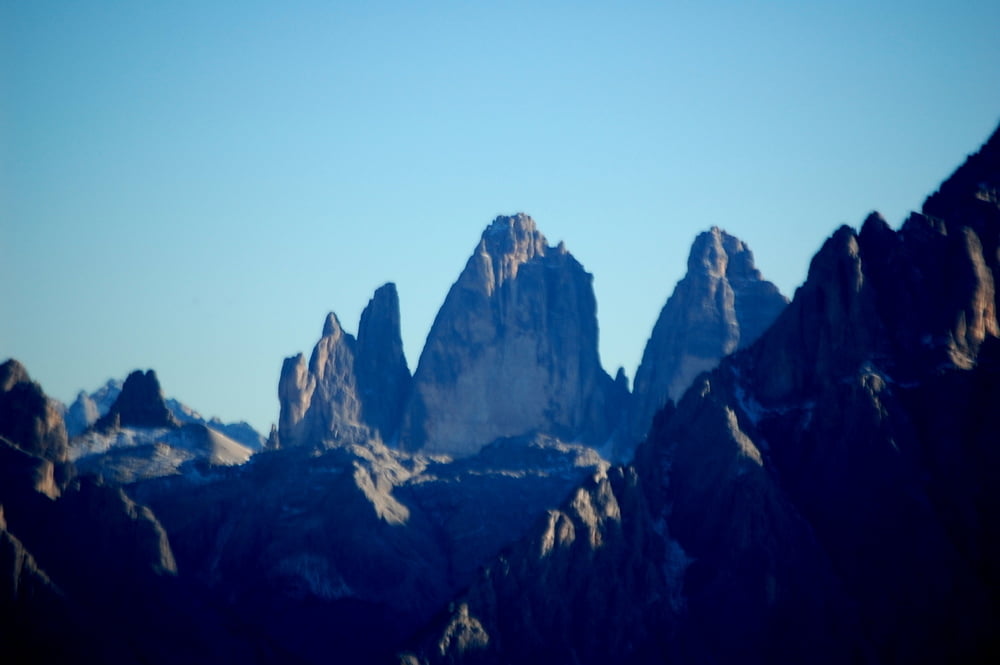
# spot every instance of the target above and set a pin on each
(351, 388)
(512, 351)
(722, 304)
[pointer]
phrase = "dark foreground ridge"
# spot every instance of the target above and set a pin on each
(825, 496)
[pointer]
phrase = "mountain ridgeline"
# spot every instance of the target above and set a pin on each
(826, 495)
(787, 482)
(513, 352)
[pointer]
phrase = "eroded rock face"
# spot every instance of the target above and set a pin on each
(351, 388)
(28, 419)
(513, 350)
(722, 304)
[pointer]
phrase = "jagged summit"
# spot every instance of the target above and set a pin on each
(722, 304)
(332, 325)
(382, 373)
(140, 404)
(513, 350)
(351, 387)
(518, 224)
(507, 243)
(12, 372)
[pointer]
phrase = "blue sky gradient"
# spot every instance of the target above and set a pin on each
(191, 186)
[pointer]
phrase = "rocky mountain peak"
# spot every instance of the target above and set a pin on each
(513, 350)
(722, 304)
(382, 373)
(28, 418)
(140, 404)
(12, 373)
(507, 243)
(709, 253)
(351, 387)
(332, 327)
(380, 315)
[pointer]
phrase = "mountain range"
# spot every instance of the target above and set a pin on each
(786, 481)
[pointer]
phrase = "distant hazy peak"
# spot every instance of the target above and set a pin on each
(140, 404)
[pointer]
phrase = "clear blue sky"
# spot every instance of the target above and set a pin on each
(191, 186)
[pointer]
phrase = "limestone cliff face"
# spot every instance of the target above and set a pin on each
(722, 304)
(513, 350)
(351, 387)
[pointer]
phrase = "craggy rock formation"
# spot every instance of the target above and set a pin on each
(512, 351)
(28, 418)
(140, 404)
(141, 437)
(351, 389)
(596, 580)
(722, 304)
(382, 375)
(832, 486)
(86, 409)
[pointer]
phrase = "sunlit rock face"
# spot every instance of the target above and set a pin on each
(722, 304)
(512, 351)
(351, 388)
